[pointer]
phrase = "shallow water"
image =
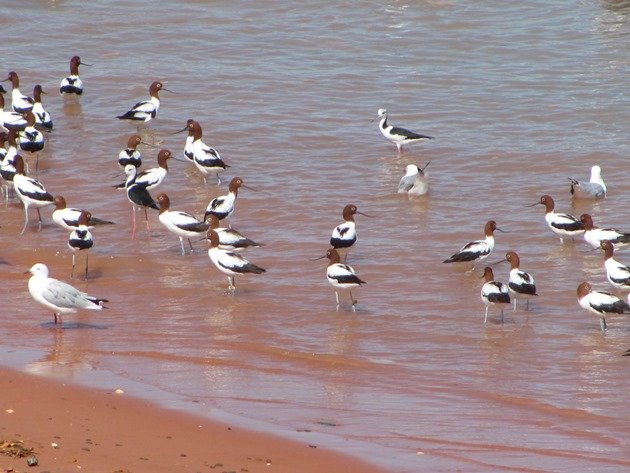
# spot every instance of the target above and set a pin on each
(519, 98)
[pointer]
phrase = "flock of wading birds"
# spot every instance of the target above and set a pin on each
(21, 129)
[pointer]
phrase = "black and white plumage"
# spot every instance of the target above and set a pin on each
(206, 158)
(415, 181)
(147, 109)
(594, 236)
(398, 136)
(595, 188)
(72, 84)
(30, 139)
(138, 195)
(7, 164)
(521, 284)
(42, 117)
(68, 217)
(618, 274)
(80, 240)
(344, 235)
(600, 303)
(182, 224)
(341, 276)
(493, 293)
(477, 250)
(58, 296)
(224, 205)
(153, 177)
(8, 119)
(229, 262)
(230, 239)
(30, 191)
(188, 146)
(19, 102)
(563, 225)
(131, 155)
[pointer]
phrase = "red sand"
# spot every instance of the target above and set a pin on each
(104, 432)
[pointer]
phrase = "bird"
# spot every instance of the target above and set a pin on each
(617, 274)
(152, 177)
(521, 285)
(72, 84)
(42, 117)
(493, 292)
(341, 276)
(206, 158)
(9, 119)
(415, 181)
(344, 235)
(230, 239)
(600, 303)
(138, 195)
(594, 236)
(59, 296)
(223, 206)
(68, 218)
(30, 191)
(182, 224)
(229, 262)
(398, 136)
(19, 102)
(188, 146)
(30, 139)
(147, 109)
(131, 155)
(477, 250)
(80, 239)
(563, 225)
(595, 188)
(7, 165)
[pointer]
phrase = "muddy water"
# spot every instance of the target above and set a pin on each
(518, 97)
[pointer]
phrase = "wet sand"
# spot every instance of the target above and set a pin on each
(101, 431)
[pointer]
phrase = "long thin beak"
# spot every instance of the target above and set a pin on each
(250, 188)
(425, 166)
(85, 64)
(499, 230)
(321, 257)
(365, 215)
(497, 262)
(535, 203)
(183, 129)
(148, 144)
(168, 90)
(178, 159)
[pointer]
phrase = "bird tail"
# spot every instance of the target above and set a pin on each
(130, 115)
(97, 301)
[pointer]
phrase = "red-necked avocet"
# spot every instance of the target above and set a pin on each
(72, 84)
(228, 262)
(30, 191)
(80, 240)
(600, 303)
(344, 235)
(182, 224)
(563, 225)
(477, 250)
(594, 236)
(493, 292)
(147, 109)
(68, 217)
(19, 102)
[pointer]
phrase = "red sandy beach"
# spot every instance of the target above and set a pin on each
(100, 431)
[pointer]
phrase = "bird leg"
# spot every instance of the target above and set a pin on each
(218, 180)
(353, 301)
(602, 324)
(87, 257)
(25, 219)
(501, 314)
(146, 218)
(133, 231)
(39, 216)
(231, 284)
(191, 247)
(485, 319)
(72, 272)
(515, 303)
(181, 242)
(337, 299)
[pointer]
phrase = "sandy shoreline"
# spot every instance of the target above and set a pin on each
(100, 431)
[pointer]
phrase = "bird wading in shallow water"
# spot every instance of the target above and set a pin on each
(72, 84)
(593, 189)
(398, 136)
(600, 303)
(341, 276)
(58, 296)
(493, 293)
